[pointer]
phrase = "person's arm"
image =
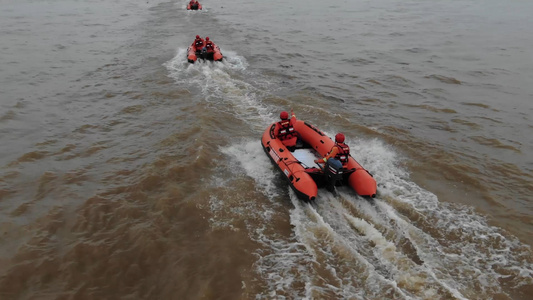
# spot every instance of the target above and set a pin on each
(276, 130)
(292, 121)
(331, 154)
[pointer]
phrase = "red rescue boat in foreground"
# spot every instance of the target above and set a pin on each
(303, 174)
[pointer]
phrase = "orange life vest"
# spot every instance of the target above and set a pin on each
(286, 130)
(343, 153)
(209, 46)
(199, 44)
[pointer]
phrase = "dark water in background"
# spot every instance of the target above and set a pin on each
(127, 173)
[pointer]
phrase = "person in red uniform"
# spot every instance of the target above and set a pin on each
(335, 161)
(285, 130)
(339, 151)
(209, 46)
(198, 43)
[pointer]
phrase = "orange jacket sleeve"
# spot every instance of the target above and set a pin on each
(276, 129)
(331, 153)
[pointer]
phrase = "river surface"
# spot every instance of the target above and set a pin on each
(128, 173)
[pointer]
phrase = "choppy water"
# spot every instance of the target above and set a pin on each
(128, 173)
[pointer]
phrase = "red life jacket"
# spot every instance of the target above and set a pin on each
(209, 46)
(343, 153)
(199, 44)
(286, 130)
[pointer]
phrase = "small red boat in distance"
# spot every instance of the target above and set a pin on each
(194, 5)
(304, 175)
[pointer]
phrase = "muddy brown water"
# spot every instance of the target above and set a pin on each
(128, 173)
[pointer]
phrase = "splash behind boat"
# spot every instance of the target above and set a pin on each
(303, 174)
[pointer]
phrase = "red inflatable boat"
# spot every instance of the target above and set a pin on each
(303, 174)
(194, 6)
(193, 55)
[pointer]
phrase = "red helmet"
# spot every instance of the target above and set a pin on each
(339, 138)
(197, 36)
(284, 115)
(207, 38)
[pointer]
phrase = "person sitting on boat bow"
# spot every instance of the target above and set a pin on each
(285, 130)
(198, 43)
(339, 151)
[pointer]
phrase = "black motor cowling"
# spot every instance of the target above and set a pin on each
(333, 171)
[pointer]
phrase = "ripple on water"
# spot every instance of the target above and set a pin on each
(481, 105)
(432, 108)
(9, 115)
(495, 143)
(472, 125)
(358, 61)
(445, 79)
(133, 109)
(417, 50)
(30, 157)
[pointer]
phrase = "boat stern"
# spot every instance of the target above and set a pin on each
(363, 183)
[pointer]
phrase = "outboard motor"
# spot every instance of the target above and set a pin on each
(203, 53)
(333, 171)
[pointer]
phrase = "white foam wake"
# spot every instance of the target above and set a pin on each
(405, 243)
